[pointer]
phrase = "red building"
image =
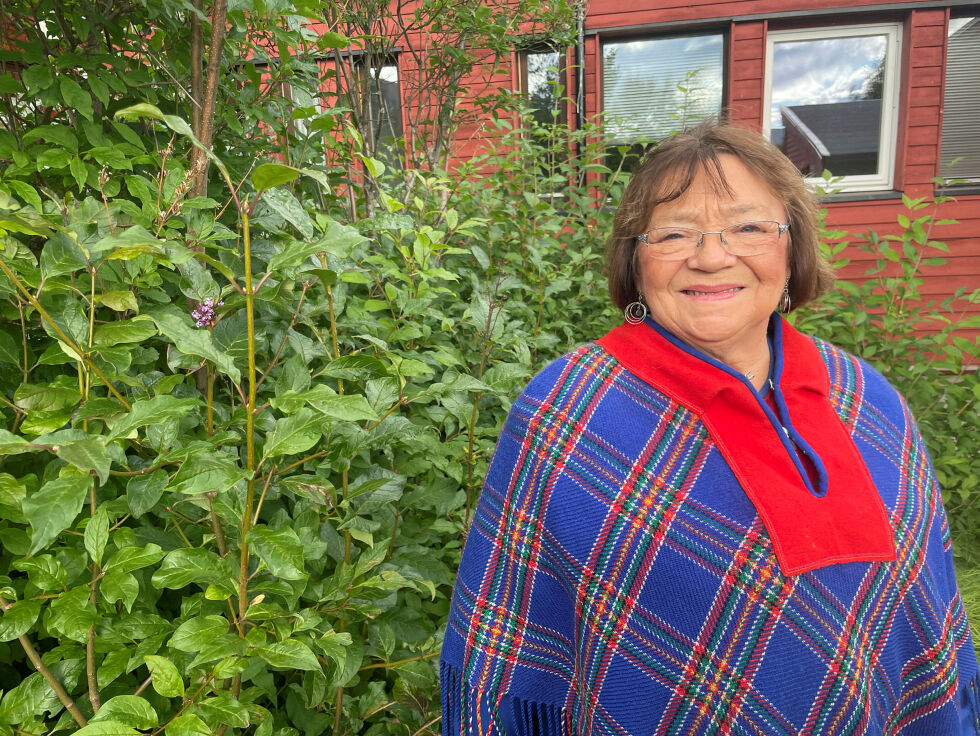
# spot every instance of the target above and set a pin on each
(885, 95)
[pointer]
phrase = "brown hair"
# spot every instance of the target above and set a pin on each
(668, 170)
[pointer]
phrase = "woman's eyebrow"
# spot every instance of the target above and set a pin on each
(743, 208)
(733, 210)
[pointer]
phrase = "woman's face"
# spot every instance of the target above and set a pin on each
(716, 301)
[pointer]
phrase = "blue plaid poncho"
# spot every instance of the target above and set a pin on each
(627, 572)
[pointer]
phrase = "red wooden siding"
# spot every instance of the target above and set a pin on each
(920, 106)
(745, 24)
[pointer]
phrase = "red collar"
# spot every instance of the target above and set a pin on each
(842, 518)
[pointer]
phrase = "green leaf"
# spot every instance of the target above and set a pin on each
(37, 77)
(196, 633)
(187, 725)
(129, 243)
(74, 95)
(193, 341)
(166, 679)
(333, 40)
(280, 549)
(97, 535)
(289, 654)
(54, 507)
(120, 586)
(72, 614)
(9, 85)
(18, 619)
(294, 434)
(152, 411)
(347, 408)
(12, 495)
(339, 240)
(273, 175)
(26, 192)
(130, 557)
(120, 301)
(185, 566)
(289, 208)
(225, 709)
(61, 135)
(106, 728)
(79, 171)
(137, 329)
(143, 491)
(87, 455)
(12, 444)
(208, 473)
(44, 571)
(355, 367)
(129, 709)
(61, 256)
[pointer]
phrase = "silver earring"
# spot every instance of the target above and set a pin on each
(636, 311)
(785, 303)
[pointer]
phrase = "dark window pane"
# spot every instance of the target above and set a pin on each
(827, 97)
(543, 84)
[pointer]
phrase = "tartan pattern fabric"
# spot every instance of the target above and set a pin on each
(616, 580)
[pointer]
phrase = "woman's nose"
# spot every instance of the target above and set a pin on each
(711, 254)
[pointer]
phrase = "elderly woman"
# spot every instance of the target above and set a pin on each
(706, 522)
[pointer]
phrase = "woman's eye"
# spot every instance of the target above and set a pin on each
(669, 236)
(749, 227)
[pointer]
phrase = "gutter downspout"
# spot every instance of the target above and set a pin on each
(580, 65)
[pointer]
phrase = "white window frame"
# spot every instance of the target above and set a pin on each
(884, 178)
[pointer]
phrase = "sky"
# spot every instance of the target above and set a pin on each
(822, 71)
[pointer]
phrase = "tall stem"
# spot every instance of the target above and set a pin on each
(249, 434)
(344, 482)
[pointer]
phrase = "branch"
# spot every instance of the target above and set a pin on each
(199, 159)
(62, 336)
(48, 676)
(197, 54)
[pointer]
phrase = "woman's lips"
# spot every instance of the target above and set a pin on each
(711, 293)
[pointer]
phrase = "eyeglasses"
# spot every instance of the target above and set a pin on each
(742, 239)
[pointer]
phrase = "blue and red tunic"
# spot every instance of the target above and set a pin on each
(660, 550)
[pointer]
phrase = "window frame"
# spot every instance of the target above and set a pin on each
(884, 178)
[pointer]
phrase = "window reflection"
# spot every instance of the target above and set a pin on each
(543, 84)
(827, 97)
(386, 113)
(654, 86)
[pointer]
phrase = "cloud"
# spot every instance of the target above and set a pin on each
(823, 71)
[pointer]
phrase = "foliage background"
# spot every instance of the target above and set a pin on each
(246, 513)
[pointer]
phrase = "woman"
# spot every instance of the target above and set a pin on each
(706, 522)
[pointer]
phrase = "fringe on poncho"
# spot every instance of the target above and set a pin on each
(620, 578)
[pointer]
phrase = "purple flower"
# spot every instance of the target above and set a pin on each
(205, 314)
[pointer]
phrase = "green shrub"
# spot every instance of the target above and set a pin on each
(917, 344)
(238, 467)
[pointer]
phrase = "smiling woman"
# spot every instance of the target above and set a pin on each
(707, 522)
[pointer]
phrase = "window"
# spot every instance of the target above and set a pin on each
(961, 105)
(832, 96)
(542, 83)
(384, 109)
(654, 86)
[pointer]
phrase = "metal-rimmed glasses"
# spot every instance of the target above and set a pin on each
(742, 239)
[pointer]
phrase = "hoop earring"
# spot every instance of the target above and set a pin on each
(785, 303)
(636, 311)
